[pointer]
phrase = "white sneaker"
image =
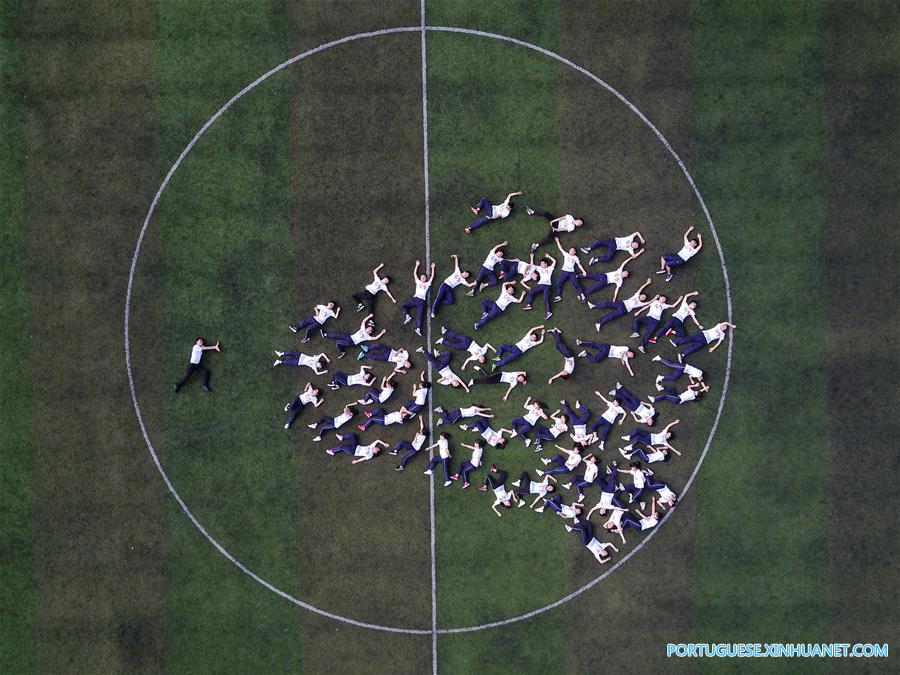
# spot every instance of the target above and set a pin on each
(545, 461)
(656, 358)
(439, 341)
(317, 438)
(568, 528)
(463, 427)
(539, 510)
(471, 382)
(516, 483)
(582, 354)
(527, 442)
(407, 319)
(539, 472)
(672, 342)
(293, 330)
(520, 503)
(641, 349)
(592, 260)
(418, 332)
(634, 335)
(311, 426)
(529, 210)
(643, 505)
(591, 305)
(580, 499)
(439, 409)
(597, 326)
(448, 483)
(585, 249)
(276, 363)
(567, 486)
(287, 426)
(420, 350)
(427, 472)
(658, 385)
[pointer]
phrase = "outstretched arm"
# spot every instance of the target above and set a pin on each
(603, 398)
(375, 271)
(558, 245)
(627, 365)
(687, 234)
(644, 285)
(390, 295)
(499, 246)
(511, 195)
(416, 271)
(362, 324)
(511, 387)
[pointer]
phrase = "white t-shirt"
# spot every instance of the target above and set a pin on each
(649, 523)
(491, 437)
(468, 412)
(687, 252)
(342, 419)
(446, 372)
(398, 356)
(509, 377)
(615, 277)
(360, 336)
(323, 313)
(590, 472)
(713, 334)
(656, 456)
(566, 224)
(539, 488)
(656, 309)
(476, 457)
(658, 439)
(532, 416)
(311, 361)
(645, 412)
(501, 210)
(687, 395)
(454, 279)
(559, 427)
(367, 451)
(606, 500)
(545, 274)
(504, 300)
(640, 480)
(632, 302)
(569, 365)
(356, 378)
(597, 547)
(569, 262)
(611, 414)
(418, 441)
(691, 371)
(443, 448)
(476, 349)
(385, 394)
(421, 289)
(421, 396)
(526, 343)
(684, 311)
(376, 286)
(616, 352)
(307, 397)
(567, 511)
(393, 418)
(491, 260)
(665, 494)
(573, 460)
(624, 243)
(616, 518)
(524, 268)
(502, 494)
(196, 354)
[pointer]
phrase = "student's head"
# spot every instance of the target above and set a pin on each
(385, 280)
(370, 328)
(635, 245)
(330, 304)
(577, 507)
(199, 342)
(578, 448)
(314, 391)
(455, 383)
(668, 435)
(349, 409)
(533, 337)
(376, 451)
(407, 365)
(572, 251)
(443, 436)
(368, 378)
(648, 421)
(521, 379)
(481, 359)
(592, 459)
(695, 243)
(550, 488)
(512, 204)
(423, 277)
(608, 526)
(578, 222)
(544, 263)
(505, 504)
(465, 275)
(629, 354)
(564, 418)
(538, 404)
(662, 298)
(635, 465)
(534, 276)
(500, 253)
(692, 305)
(625, 274)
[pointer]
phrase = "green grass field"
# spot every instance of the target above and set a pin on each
(784, 115)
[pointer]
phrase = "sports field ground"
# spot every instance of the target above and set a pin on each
(148, 531)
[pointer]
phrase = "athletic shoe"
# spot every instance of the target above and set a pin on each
(658, 386)
(539, 472)
(568, 528)
(534, 247)
(662, 271)
(439, 341)
(554, 330)
(624, 454)
(360, 307)
(641, 349)
(548, 315)
(582, 354)
(439, 409)
(643, 505)
(330, 451)
(516, 483)
(669, 277)
(567, 486)
(287, 426)
(652, 341)
(557, 299)
(418, 332)
(597, 326)
(527, 442)
(420, 350)
(585, 249)
(207, 389)
(634, 335)
(361, 427)
(626, 438)
(342, 355)
(539, 448)
(448, 483)
(578, 342)
(526, 308)
(471, 382)
(317, 438)
(680, 358)
(520, 503)
(545, 461)
(592, 260)
(454, 476)
(580, 498)
(176, 390)
(432, 315)
(483, 488)
(463, 427)
(407, 319)
(304, 341)
(581, 297)
(493, 468)
(657, 358)
(392, 452)
(476, 326)
(672, 342)
(601, 445)
(398, 468)
(293, 330)
(277, 363)
(465, 485)
(591, 305)
(427, 472)
(359, 357)
(471, 293)
(482, 286)
(529, 210)
(539, 510)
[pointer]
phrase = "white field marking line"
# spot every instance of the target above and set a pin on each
(434, 657)
(137, 251)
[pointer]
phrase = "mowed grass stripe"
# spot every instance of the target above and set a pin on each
(760, 567)
(492, 129)
(616, 172)
(861, 63)
(224, 226)
(17, 593)
(98, 563)
(357, 202)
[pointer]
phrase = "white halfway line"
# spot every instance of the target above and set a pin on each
(434, 628)
(137, 252)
